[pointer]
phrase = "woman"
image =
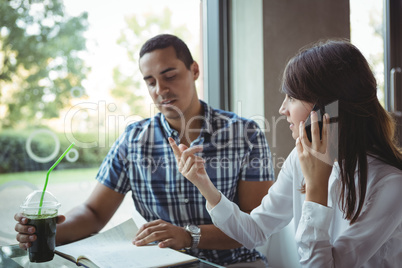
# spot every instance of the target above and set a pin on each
(345, 203)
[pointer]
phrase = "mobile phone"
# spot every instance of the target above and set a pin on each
(320, 115)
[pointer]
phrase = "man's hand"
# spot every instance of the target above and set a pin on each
(26, 235)
(166, 234)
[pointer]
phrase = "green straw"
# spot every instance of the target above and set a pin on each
(47, 176)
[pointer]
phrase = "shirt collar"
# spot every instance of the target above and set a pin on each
(206, 127)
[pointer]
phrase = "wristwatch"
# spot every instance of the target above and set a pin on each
(195, 233)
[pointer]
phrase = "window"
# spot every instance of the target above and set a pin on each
(86, 96)
(375, 30)
(367, 33)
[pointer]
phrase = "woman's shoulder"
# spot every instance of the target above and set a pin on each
(376, 163)
(379, 170)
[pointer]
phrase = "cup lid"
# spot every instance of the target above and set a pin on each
(32, 201)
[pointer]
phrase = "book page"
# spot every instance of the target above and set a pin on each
(139, 257)
(114, 248)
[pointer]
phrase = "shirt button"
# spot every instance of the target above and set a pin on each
(186, 200)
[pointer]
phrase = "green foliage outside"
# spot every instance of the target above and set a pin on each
(41, 70)
(39, 60)
(14, 156)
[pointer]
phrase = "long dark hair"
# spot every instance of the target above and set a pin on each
(335, 70)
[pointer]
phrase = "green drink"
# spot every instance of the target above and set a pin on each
(42, 248)
(43, 218)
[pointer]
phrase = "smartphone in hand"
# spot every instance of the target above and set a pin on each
(331, 109)
(320, 114)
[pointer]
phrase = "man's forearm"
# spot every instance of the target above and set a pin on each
(80, 222)
(213, 238)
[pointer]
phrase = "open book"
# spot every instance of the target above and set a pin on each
(113, 248)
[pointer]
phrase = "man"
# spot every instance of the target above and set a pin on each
(236, 154)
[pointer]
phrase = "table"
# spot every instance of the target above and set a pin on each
(13, 257)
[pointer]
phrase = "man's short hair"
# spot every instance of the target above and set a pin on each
(166, 40)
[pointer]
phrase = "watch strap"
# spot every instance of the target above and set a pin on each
(195, 235)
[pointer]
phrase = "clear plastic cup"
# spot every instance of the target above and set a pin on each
(44, 220)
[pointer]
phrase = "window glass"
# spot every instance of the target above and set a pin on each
(367, 33)
(69, 73)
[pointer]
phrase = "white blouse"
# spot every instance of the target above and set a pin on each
(323, 237)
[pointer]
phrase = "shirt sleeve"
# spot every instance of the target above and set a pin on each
(313, 231)
(377, 224)
(274, 213)
(238, 225)
(257, 162)
(112, 172)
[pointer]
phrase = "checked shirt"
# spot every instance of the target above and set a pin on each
(141, 161)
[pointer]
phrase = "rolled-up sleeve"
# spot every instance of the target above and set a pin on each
(374, 240)
(312, 232)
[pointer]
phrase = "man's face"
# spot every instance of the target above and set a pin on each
(170, 84)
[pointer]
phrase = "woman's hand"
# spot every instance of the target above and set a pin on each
(315, 160)
(192, 167)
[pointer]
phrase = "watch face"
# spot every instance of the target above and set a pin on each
(194, 229)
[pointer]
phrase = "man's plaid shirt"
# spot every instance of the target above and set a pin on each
(141, 161)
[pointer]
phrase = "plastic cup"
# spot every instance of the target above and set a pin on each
(44, 220)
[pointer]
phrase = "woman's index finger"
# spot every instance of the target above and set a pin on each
(175, 148)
